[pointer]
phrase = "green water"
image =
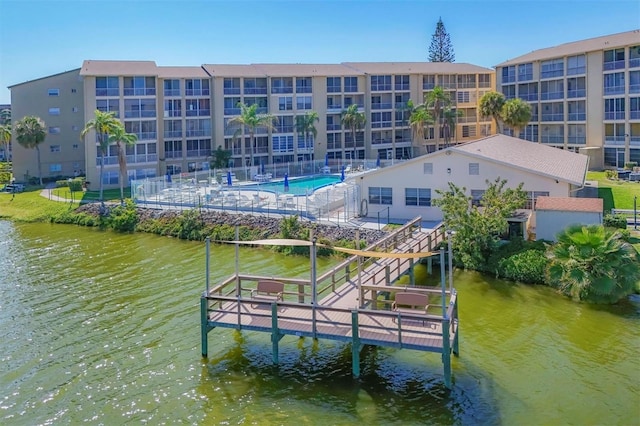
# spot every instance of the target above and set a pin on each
(102, 328)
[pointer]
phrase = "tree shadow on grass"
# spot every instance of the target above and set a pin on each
(607, 197)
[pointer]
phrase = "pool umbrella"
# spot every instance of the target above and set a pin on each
(168, 177)
(342, 174)
(286, 182)
(378, 162)
(229, 178)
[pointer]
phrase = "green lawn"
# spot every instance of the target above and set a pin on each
(30, 206)
(89, 196)
(617, 194)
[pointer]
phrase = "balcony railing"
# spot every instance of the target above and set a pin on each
(195, 153)
(614, 140)
(334, 126)
(139, 92)
(614, 90)
(107, 160)
(551, 95)
(401, 105)
(634, 88)
(280, 90)
(634, 63)
(172, 92)
(303, 89)
(576, 70)
(173, 113)
(552, 117)
(634, 115)
(552, 139)
(529, 96)
(196, 133)
(381, 88)
(232, 111)
(577, 140)
(634, 141)
(173, 154)
(402, 86)
(428, 86)
(616, 115)
(577, 93)
(334, 107)
(380, 124)
(197, 92)
(380, 141)
(381, 105)
(139, 114)
(255, 90)
(577, 116)
(142, 158)
(264, 150)
(198, 112)
(146, 135)
(173, 133)
(231, 90)
(284, 129)
(613, 65)
(108, 92)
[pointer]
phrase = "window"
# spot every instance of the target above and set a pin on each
(303, 84)
(108, 105)
(54, 148)
(380, 82)
(576, 65)
(380, 119)
(463, 96)
(285, 124)
(198, 127)
(634, 56)
(196, 87)
(614, 83)
(476, 197)
(139, 86)
(528, 91)
(428, 82)
(282, 85)
(172, 87)
(54, 92)
(484, 80)
(74, 109)
(54, 131)
(55, 168)
(532, 196)
(137, 108)
(334, 140)
(634, 81)
(576, 87)
(75, 146)
(381, 196)
(54, 111)
(73, 90)
(509, 74)
(285, 103)
(303, 102)
(552, 68)
(466, 81)
(468, 131)
(198, 148)
(553, 89)
(197, 107)
(614, 109)
(401, 82)
(417, 197)
(173, 108)
(613, 59)
(577, 134)
(350, 84)
(509, 91)
(427, 168)
(231, 86)
(75, 128)
(634, 109)
(142, 129)
(334, 85)
(525, 72)
(255, 86)
(110, 177)
(107, 86)
(283, 143)
(552, 111)
(576, 111)
(530, 133)
(474, 169)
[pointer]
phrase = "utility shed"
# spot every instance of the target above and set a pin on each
(554, 214)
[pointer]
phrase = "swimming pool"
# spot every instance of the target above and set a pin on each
(297, 186)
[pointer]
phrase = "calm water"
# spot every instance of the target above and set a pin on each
(102, 328)
(299, 186)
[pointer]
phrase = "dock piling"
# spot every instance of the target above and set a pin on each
(355, 345)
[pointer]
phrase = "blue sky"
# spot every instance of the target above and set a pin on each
(39, 38)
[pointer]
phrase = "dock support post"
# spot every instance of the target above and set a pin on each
(204, 326)
(355, 345)
(275, 334)
(443, 284)
(412, 276)
(456, 350)
(446, 352)
(429, 265)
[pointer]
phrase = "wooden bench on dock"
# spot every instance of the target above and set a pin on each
(268, 290)
(410, 303)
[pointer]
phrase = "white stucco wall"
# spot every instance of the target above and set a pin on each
(411, 174)
(550, 222)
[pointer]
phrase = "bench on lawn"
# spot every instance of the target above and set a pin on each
(268, 290)
(410, 303)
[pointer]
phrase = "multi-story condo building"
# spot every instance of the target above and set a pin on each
(584, 96)
(58, 101)
(181, 114)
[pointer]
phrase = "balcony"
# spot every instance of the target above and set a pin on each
(634, 115)
(172, 134)
(231, 90)
(198, 113)
(139, 92)
(553, 139)
(380, 124)
(401, 105)
(284, 129)
(381, 142)
(614, 90)
(198, 133)
(613, 65)
(577, 140)
(139, 114)
(173, 113)
(107, 160)
(634, 88)
(428, 86)
(232, 111)
(635, 141)
(528, 96)
(142, 158)
(334, 107)
(173, 154)
(146, 135)
(614, 140)
(281, 90)
(544, 96)
(634, 63)
(172, 92)
(334, 127)
(401, 86)
(197, 92)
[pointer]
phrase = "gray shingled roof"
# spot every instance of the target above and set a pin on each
(578, 47)
(555, 163)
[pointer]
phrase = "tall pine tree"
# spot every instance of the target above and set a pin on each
(441, 49)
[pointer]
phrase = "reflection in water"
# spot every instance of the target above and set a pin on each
(104, 328)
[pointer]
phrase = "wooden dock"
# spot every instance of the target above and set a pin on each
(352, 302)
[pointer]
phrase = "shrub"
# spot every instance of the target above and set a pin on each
(124, 218)
(611, 174)
(630, 165)
(617, 221)
(526, 267)
(5, 177)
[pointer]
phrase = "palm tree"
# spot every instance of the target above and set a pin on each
(491, 104)
(120, 136)
(419, 119)
(251, 120)
(5, 139)
(305, 124)
(593, 263)
(353, 120)
(30, 133)
(436, 101)
(103, 124)
(449, 123)
(516, 114)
